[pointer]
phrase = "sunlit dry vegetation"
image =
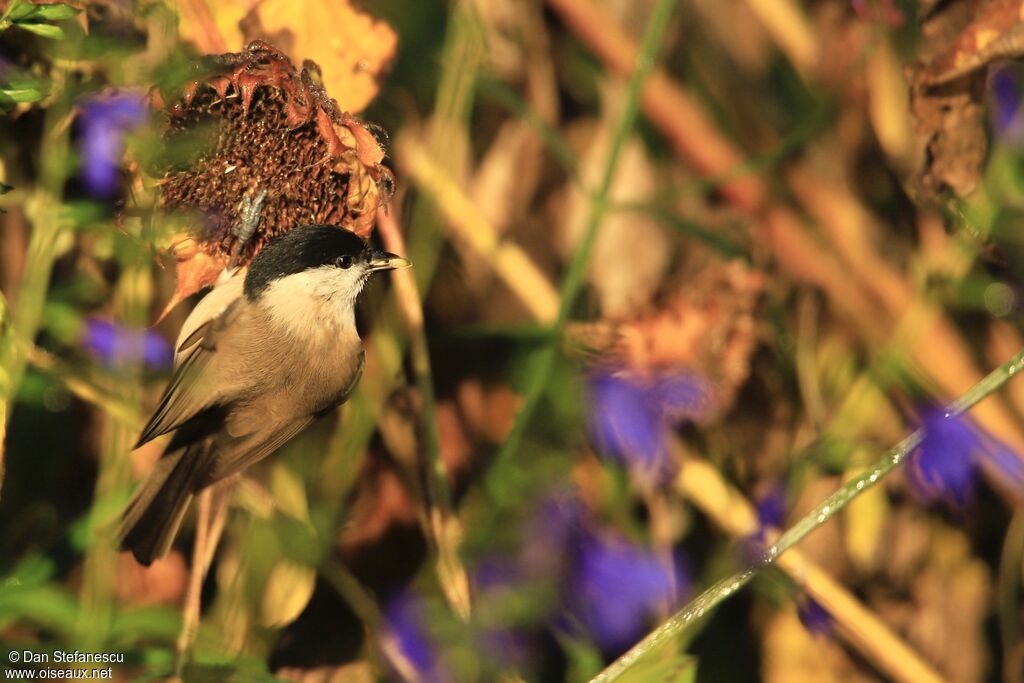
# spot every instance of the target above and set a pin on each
(704, 369)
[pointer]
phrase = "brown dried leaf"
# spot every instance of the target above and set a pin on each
(195, 268)
(707, 326)
(353, 47)
(961, 40)
(995, 31)
(279, 153)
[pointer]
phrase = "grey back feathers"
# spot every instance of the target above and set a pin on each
(301, 249)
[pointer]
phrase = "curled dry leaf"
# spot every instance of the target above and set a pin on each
(960, 40)
(707, 326)
(277, 153)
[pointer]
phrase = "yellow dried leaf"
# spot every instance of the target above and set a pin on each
(288, 492)
(352, 47)
(889, 105)
(289, 588)
(213, 25)
(864, 524)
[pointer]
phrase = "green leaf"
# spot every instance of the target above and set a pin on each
(56, 12)
(22, 13)
(31, 571)
(5, 188)
(146, 623)
(49, 606)
(26, 94)
(44, 30)
(20, 10)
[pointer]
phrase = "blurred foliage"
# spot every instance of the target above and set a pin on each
(663, 319)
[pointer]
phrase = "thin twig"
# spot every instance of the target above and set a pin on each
(193, 592)
(443, 522)
(212, 514)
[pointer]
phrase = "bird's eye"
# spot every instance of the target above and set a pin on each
(345, 262)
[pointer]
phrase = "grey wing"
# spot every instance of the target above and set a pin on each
(243, 451)
(191, 389)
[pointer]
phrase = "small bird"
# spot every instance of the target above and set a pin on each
(260, 357)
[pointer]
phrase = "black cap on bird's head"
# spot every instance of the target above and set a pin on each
(314, 246)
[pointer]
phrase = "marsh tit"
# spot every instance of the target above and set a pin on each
(259, 358)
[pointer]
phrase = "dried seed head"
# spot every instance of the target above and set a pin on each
(268, 135)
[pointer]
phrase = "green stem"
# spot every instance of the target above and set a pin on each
(574, 278)
(5, 380)
(710, 598)
(43, 210)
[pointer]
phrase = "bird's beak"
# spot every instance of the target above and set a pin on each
(382, 260)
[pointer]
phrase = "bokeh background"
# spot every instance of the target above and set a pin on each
(682, 270)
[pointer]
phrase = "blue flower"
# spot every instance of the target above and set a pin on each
(118, 346)
(103, 122)
(411, 646)
(629, 417)
(814, 617)
(771, 507)
(771, 512)
(618, 588)
(1005, 110)
(945, 465)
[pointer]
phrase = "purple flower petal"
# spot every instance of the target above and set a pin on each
(1005, 110)
(624, 424)
(405, 620)
(117, 346)
(942, 468)
(619, 588)
(1004, 459)
(771, 507)
(1005, 98)
(104, 121)
(629, 418)
(945, 466)
(814, 617)
(680, 396)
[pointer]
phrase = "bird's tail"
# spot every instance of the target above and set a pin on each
(152, 517)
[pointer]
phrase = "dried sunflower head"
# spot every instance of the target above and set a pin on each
(274, 152)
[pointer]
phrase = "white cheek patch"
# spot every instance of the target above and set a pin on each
(316, 303)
